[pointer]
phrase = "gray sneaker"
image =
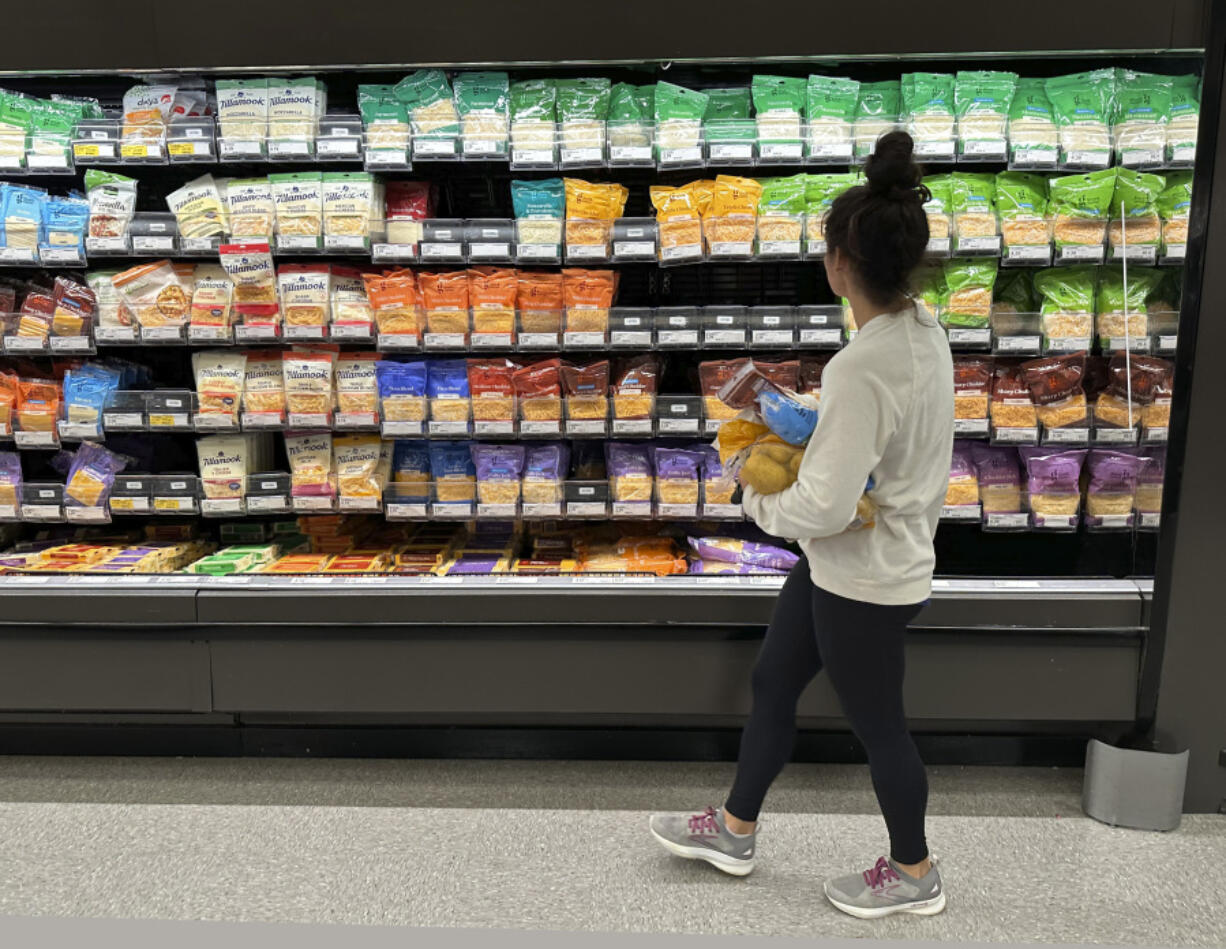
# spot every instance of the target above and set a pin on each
(704, 837)
(885, 890)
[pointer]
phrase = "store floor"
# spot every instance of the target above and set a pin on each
(560, 846)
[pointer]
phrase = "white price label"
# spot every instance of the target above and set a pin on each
(198, 245)
(1141, 253)
(540, 427)
(827, 337)
(308, 420)
(1037, 157)
(386, 156)
(1017, 435)
(625, 154)
(960, 512)
(678, 510)
(330, 147)
(398, 510)
(581, 156)
(632, 509)
(731, 151)
(25, 344)
(586, 509)
(344, 242)
(970, 337)
(531, 156)
(781, 151)
(985, 147)
(632, 426)
(484, 146)
(123, 420)
(350, 420)
(971, 427)
(448, 428)
(401, 428)
(442, 251)
(689, 155)
(398, 341)
(1113, 520)
(538, 340)
(1067, 436)
(484, 427)
(723, 511)
(255, 332)
(232, 148)
(721, 249)
(61, 255)
(496, 510)
(635, 338)
(1088, 158)
(26, 439)
(1018, 344)
(1135, 157)
(491, 340)
(587, 251)
(935, 150)
(678, 337)
(217, 506)
(446, 341)
(1150, 519)
(582, 340)
(208, 334)
(830, 151)
(153, 243)
(161, 334)
(779, 248)
(537, 251)
(542, 510)
(1137, 344)
(216, 421)
(289, 149)
(452, 510)
(1183, 154)
(490, 250)
(262, 420)
(382, 252)
(978, 245)
(433, 147)
(724, 337)
(772, 337)
(267, 503)
(1006, 521)
(678, 426)
(636, 249)
(79, 431)
(1081, 252)
(41, 512)
(1115, 436)
(304, 332)
(351, 331)
(312, 504)
(360, 504)
(586, 426)
(1028, 252)
(297, 242)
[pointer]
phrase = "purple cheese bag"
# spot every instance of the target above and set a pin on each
(995, 464)
(961, 466)
(625, 460)
(677, 463)
(732, 550)
(546, 462)
(498, 462)
(1053, 472)
(1112, 472)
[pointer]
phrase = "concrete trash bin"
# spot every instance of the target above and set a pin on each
(1127, 787)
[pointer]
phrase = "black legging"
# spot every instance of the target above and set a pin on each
(861, 646)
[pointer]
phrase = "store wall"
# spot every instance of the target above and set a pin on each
(144, 34)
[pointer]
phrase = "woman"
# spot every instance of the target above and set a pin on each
(886, 411)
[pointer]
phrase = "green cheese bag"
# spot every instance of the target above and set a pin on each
(1113, 297)
(830, 105)
(783, 195)
(1183, 118)
(1014, 292)
(428, 97)
(1021, 202)
(1079, 206)
(1136, 202)
(1141, 114)
(1082, 106)
(483, 101)
(877, 112)
(928, 106)
(583, 99)
(727, 118)
(973, 204)
(968, 298)
(1067, 289)
(534, 100)
(1175, 201)
(928, 285)
(939, 207)
(1032, 126)
(678, 115)
(982, 100)
(820, 192)
(779, 102)
(629, 122)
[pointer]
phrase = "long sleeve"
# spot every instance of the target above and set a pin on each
(858, 416)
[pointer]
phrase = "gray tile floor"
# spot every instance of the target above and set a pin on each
(561, 846)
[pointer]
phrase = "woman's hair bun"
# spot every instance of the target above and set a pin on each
(891, 171)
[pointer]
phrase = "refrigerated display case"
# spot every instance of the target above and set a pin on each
(308, 292)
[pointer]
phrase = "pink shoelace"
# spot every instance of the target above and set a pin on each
(880, 875)
(704, 823)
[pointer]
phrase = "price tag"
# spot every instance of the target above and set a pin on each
(452, 510)
(208, 334)
(723, 249)
(487, 427)
(1067, 436)
(41, 512)
(830, 151)
(308, 420)
(820, 337)
(1167, 344)
(970, 337)
(731, 151)
(230, 148)
(531, 156)
(484, 146)
(79, 431)
(1137, 344)
(724, 337)
(304, 332)
(433, 147)
(399, 510)
(25, 344)
(139, 150)
(28, 439)
(487, 251)
(1150, 519)
(582, 156)
(1141, 253)
(586, 426)
(538, 340)
(265, 420)
(496, 510)
(398, 341)
(360, 504)
(625, 250)
(8, 512)
(1115, 436)
(441, 251)
(1156, 434)
(217, 506)
(779, 249)
(267, 503)
(587, 251)
(255, 332)
(313, 504)
(297, 242)
(1018, 344)
(61, 255)
(397, 429)
(537, 251)
(351, 331)
(678, 337)
(1136, 157)
(174, 504)
(782, 151)
(129, 505)
(106, 245)
(632, 426)
(491, 340)
(123, 421)
(161, 334)
(1035, 157)
(635, 338)
(448, 428)
(689, 155)
(337, 147)
(382, 252)
(985, 148)
(18, 255)
(971, 427)
(979, 245)
(1028, 252)
(1082, 252)
(446, 340)
(349, 420)
(677, 510)
(542, 510)
(1006, 521)
(1022, 436)
(678, 426)
(289, 149)
(344, 242)
(632, 509)
(627, 154)
(818, 248)
(935, 151)
(686, 252)
(583, 340)
(216, 422)
(1068, 344)
(960, 512)
(1114, 521)
(169, 420)
(386, 156)
(183, 149)
(540, 427)
(153, 243)
(198, 245)
(586, 509)
(85, 151)
(772, 337)
(1088, 158)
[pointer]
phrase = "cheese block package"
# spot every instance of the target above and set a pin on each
(491, 294)
(1068, 301)
(1056, 386)
(545, 468)
(631, 475)
(86, 390)
(447, 387)
(1053, 481)
(677, 472)
(224, 465)
(445, 299)
(538, 390)
(310, 461)
(75, 308)
(1079, 206)
(219, 381)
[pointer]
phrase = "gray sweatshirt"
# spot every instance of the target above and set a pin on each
(887, 410)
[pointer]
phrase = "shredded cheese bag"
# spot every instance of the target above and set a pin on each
(304, 294)
(223, 465)
(356, 462)
(308, 381)
(219, 380)
(155, 293)
(251, 212)
(198, 208)
(264, 384)
(310, 461)
(357, 389)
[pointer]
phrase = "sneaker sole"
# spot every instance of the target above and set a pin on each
(730, 865)
(923, 908)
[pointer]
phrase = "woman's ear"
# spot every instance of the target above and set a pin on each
(836, 271)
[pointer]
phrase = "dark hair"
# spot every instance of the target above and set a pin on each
(881, 225)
